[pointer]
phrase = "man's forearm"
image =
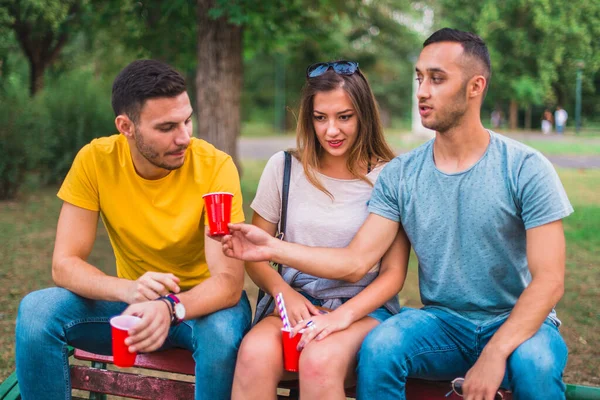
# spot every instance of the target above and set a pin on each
(532, 308)
(342, 263)
(218, 292)
(84, 279)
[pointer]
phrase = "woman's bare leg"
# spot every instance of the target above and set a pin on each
(326, 366)
(259, 365)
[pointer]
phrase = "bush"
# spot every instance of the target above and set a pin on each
(19, 151)
(78, 110)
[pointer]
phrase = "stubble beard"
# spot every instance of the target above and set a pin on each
(148, 152)
(452, 115)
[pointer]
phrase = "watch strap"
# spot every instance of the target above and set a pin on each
(172, 300)
(170, 306)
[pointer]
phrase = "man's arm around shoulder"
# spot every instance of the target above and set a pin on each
(351, 263)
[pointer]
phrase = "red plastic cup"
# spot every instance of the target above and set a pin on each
(218, 210)
(291, 354)
(120, 325)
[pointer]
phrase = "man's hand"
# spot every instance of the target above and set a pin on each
(248, 243)
(484, 378)
(152, 330)
(151, 286)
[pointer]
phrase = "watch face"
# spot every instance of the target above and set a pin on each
(179, 311)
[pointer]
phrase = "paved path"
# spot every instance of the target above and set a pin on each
(263, 148)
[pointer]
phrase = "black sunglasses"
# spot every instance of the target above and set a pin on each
(340, 67)
(457, 388)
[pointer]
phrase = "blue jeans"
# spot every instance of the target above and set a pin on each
(380, 314)
(50, 319)
(435, 345)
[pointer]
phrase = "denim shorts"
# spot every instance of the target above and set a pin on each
(380, 314)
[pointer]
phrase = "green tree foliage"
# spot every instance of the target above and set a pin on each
(42, 28)
(274, 34)
(77, 109)
(534, 44)
(19, 151)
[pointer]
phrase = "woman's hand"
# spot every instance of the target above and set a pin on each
(323, 325)
(298, 307)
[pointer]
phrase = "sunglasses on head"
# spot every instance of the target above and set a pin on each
(340, 67)
(457, 385)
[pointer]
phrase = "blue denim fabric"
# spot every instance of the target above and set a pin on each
(436, 345)
(50, 319)
(380, 314)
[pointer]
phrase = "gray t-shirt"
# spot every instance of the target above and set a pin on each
(316, 220)
(468, 229)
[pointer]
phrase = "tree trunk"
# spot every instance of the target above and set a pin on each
(386, 116)
(528, 118)
(513, 117)
(40, 43)
(219, 80)
(36, 77)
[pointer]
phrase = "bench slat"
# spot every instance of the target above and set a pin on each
(179, 361)
(415, 389)
(9, 389)
(124, 384)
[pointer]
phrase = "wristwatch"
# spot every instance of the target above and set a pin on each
(177, 308)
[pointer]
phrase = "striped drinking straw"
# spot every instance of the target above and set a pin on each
(282, 311)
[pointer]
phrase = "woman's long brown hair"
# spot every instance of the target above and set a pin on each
(370, 143)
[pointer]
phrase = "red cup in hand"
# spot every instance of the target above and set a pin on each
(120, 326)
(218, 210)
(291, 354)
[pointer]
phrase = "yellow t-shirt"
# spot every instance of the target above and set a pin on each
(153, 225)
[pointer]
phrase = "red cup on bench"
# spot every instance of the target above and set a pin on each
(218, 210)
(291, 354)
(120, 326)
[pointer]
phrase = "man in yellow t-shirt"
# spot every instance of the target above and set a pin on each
(146, 184)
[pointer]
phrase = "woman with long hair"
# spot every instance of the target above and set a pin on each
(340, 152)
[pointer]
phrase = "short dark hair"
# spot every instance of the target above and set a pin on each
(142, 80)
(472, 45)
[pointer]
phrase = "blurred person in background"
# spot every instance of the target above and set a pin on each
(547, 122)
(560, 119)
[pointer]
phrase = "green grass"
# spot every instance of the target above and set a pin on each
(567, 146)
(578, 308)
(27, 229)
(260, 129)
(578, 147)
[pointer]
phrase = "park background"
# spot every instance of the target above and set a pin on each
(245, 63)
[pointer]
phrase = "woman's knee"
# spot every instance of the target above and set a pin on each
(326, 361)
(256, 350)
(259, 358)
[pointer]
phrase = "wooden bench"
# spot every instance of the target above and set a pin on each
(98, 380)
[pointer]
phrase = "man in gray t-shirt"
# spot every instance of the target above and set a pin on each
(483, 214)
